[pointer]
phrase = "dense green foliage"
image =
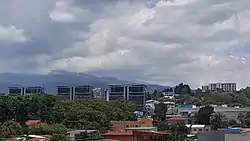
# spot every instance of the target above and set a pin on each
(160, 112)
(182, 89)
(60, 115)
(204, 114)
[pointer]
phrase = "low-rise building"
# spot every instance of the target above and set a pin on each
(74, 133)
(231, 113)
(194, 129)
(34, 123)
(120, 126)
(137, 136)
(176, 119)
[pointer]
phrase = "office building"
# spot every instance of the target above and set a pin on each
(134, 93)
(34, 90)
(65, 92)
(16, 91)
(227, 87)
(73, 93)
(81, 92)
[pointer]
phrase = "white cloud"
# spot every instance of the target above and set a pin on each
(11, 33)
(65, 11)
(170, 43)
(190, 41)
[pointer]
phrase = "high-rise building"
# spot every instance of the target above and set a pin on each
(227, 87)
(81, 92)
(134, 93)
(16, 91)
(65, 92)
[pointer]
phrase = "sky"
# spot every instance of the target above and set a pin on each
(190, 41)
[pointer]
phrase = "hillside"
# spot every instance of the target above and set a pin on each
(54, 79)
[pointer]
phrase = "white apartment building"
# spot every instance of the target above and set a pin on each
(227, 87)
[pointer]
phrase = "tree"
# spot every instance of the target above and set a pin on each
(49, 129)
(241, 119)
(160, 112)
(60, 137)
(10, 128)
(182, 89)
(88, 137)
(246, 119)
(218, 120)
(204, 115)
(233, 123)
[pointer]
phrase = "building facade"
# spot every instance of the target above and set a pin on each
(19, 91)
(227, 87)
(134, 93)
(72, 93)
(16, 91)
(83, 92)
(65, 92)
(34, 90)
(231, 113)
(98, 93)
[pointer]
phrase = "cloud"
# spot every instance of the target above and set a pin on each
(190, 41)
(11, 33)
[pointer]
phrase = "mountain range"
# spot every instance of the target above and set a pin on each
(58, 78)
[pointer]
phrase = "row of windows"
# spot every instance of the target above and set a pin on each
(63, 90)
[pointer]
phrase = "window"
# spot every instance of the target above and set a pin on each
(194, 129)
(200, 129)
(127, 125)
(136, 125)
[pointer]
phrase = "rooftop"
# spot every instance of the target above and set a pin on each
(195, 126)
(177, 118)
(141, 128)
(80, 131)
(118, 134)
(154, 132)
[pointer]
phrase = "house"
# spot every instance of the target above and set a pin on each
(120, 136)
(136, 136)
(150, 136)
(120, 126)
(176, 120)
(194, 129)
(141, 129)
(34, 123)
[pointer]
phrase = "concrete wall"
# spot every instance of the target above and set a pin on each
(211, 136)
(238, 137)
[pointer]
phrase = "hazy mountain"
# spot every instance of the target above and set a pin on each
(56, 78)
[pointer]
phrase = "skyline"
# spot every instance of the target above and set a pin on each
(189, 41)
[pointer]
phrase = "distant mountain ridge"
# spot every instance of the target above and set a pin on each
(57, 78)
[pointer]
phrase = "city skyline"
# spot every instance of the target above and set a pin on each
(189, 41)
